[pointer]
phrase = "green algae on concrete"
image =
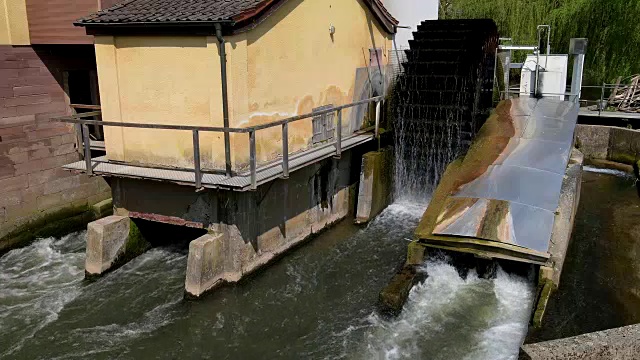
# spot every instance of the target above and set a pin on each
(112, 242)
(54, 224)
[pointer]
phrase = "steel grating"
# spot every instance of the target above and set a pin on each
(239, 182)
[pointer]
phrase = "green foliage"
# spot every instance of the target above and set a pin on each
(612, 27)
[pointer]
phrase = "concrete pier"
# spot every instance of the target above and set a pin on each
(374, 193)
(205, 265)
(111, 242)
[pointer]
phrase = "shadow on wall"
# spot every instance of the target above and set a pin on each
(305, 203)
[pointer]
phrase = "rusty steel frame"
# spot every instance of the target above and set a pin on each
(78, 120)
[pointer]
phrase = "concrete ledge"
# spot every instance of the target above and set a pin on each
(375, 184)
(549, 275)
(615, 344)
(205, 264)
(111, 242)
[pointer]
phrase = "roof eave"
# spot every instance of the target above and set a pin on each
(157, 24)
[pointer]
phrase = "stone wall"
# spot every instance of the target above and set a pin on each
(34, 190)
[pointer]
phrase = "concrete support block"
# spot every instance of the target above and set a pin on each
(394, 296)
(375, 184)
(205, 265)
(415, 253)
(111, 242)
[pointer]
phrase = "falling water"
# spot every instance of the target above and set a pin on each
(441, 100)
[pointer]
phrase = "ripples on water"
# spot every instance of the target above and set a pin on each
(319, 302)
(618, 173)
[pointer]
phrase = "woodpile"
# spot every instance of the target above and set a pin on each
(626, 98)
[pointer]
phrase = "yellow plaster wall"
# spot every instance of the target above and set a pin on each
(294, 65)
(160, 80)
(14, 27)
(287, 65)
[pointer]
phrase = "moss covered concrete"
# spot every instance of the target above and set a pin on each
(53, 224)
(136, 245)
(609, 143)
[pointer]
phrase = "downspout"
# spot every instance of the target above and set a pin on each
(225, 98)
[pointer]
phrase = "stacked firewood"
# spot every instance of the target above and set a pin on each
(626, 97)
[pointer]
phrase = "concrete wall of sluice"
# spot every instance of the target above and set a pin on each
(246, 229)
(615, 344)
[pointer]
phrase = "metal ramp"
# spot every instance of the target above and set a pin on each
(502, 198)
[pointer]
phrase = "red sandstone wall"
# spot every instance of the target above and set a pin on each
(33, 148)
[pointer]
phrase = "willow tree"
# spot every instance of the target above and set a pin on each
(612, 27)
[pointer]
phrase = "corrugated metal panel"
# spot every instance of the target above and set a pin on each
(515, 199)
(537, 154)
(523, 185)
(523, 106)
(495, 220)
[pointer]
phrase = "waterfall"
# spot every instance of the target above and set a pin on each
(441, 99)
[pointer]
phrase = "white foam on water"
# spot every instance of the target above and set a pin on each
(614, 172)
(448, 317)
(37, 282)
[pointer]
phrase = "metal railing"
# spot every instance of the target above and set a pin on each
(78, 119)
(601, 101)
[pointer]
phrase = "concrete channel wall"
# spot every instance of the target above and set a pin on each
(608, 143)
(615, 344)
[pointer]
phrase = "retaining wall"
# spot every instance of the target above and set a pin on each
(38, 198)
(608, 143)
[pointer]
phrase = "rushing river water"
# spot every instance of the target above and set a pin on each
(317, 303)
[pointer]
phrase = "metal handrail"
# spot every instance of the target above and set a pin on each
(284, 123)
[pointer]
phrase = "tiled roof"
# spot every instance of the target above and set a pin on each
(132, 11)
(129, 12)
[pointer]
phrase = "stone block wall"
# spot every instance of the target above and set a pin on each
(33, 187)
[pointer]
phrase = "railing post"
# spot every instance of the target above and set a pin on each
(339, 135)
(196, 158)
(378, 118)
(285, 150)
(252, 158)
(87, 148)
(601, 100)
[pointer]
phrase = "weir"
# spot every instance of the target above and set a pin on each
(487, 204)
